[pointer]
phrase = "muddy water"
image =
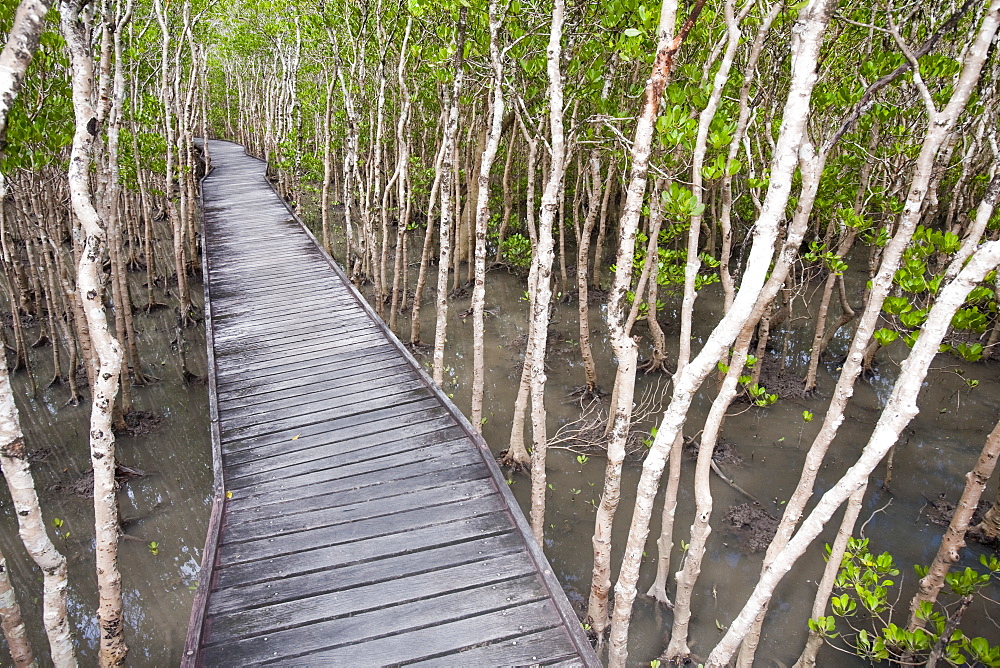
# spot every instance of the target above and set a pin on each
(943, 444)
(169, 506)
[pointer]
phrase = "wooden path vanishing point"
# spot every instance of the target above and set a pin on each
(358, 519)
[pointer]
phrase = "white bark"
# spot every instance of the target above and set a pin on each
(807, 38)
(625, 349)
(109, 353)
(939, 128)
(483, 217)
(544, 256)
(900, 409)
(447, 205)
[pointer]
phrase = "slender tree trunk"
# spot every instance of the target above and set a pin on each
(418, 290)
(815, 640)
(448, 200)
(954, 536)
(900, 410)
(591, 389)
(813, 20)
(14, 631)
(543, 259)
(109, 353)
(938, 129)
(626, 351)
(483, 217)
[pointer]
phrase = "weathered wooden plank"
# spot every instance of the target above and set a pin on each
(333, 453)
(296, 418)
(363, 598)
(254, 425)
(322, 427)
(312, 639)
(328, 494)
(322, 391)
(445, 642)
(436, 516)
(235, 370)
(329, 557)
(293, 587)
(307, 517)
(353, 429)
(269, 388)
(329, 398)
(306, 373)
(534, 649)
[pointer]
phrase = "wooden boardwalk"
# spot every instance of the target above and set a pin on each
(358, 519)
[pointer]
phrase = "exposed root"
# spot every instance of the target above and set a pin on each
(508, 460)
(589, 433)
(588, 393)
(656, 364)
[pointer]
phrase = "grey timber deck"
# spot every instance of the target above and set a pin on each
(358, 520)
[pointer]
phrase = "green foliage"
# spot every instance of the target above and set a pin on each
(865, 605)
(516, 251)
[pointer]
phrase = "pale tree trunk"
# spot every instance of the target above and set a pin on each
(483, 217)
(508, 203)
(109, 353)
(401, 177)
(900, 409)
(124, 329)
(595, 274)
(544, 256)
(516, 454)
(447, 204)
(725, 216)
(954, 536)
(582, 260)
(815, 640)
(691, 267)
(939, 127)
(418, 289)
(31, 525)
(22, 42)
(327, 166)
(168, 94)
(807, 38)
(14, 631)
(625, 349)
(677, 650)
(350, 155)
(620, 413)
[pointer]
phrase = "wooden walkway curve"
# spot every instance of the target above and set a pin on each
(358, 519)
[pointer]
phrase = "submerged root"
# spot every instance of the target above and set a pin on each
(84, 485)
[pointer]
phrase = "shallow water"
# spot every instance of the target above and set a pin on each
(170, 505)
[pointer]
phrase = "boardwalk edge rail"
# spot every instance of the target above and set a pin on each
(192, 641)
